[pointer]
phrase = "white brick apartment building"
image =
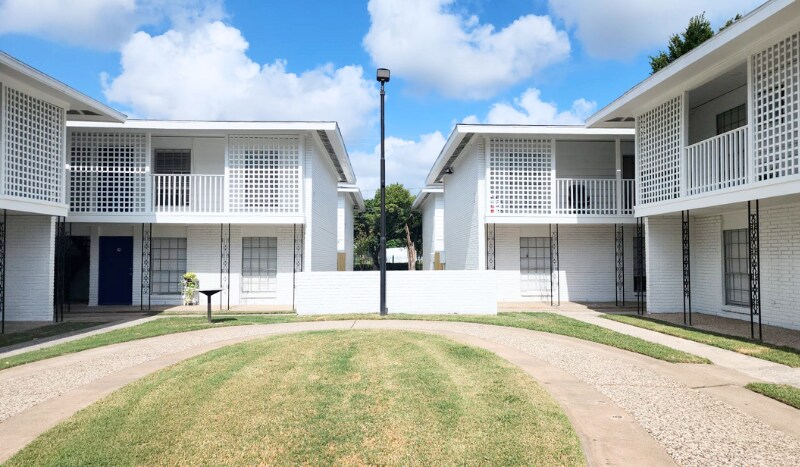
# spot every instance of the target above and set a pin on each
(34, 109)
(244, 205)
(549, 208)
(718, 171)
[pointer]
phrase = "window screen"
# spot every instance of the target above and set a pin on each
(732, 119)
(168, 265)
(737, 278)
(259, 264)
(173, 162)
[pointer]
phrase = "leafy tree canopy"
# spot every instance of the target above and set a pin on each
(398, 214)
(697, 31)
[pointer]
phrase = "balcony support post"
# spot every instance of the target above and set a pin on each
(555, 295)
(144, 283)
(619, 264)
(618, 185)
(639, 267)
(225, 264)
(687, 276)
(754, 257)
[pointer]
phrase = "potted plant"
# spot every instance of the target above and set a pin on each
(190, 285)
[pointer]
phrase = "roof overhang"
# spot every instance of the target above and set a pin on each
(723, 52)
(424, 194)
(355, 194)
(79, 106)
(326, 134)
(463, 134)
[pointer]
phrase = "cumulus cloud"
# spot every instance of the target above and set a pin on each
(620, 29)
(407, 162)
(102, 24)
(205, 73)
(437, 49)
(530, 109)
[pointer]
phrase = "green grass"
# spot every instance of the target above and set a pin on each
(356, 398)
(544, 322)
(43, 332)
(774, 353)
(789, 395)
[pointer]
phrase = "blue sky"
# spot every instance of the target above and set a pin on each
(490, 61)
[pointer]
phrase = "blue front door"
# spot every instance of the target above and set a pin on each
(115, 286)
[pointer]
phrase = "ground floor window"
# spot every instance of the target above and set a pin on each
(259, 264)
(168, 265)
(534, 264)
(737, 278)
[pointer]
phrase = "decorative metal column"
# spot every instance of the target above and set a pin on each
(639, 267)
(490, 247)
(555, 295)
(687, 270)
(298, 258)
(619, 264)
(147, 233)
(3, 274)
(225, 264)
(60, 269)
(754, 256)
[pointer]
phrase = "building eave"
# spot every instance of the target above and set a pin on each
(88, 109)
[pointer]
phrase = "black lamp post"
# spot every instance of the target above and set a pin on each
(383, 78)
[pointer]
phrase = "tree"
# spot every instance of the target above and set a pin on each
(697, 31)
(398, 216)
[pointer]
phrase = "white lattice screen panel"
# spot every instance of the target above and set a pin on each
(658, 133)
(519, 176)
(776, 96)
(108, 172)
(264, 174)
(33, 131)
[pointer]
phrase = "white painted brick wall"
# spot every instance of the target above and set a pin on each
(323, 211)
(462, 210)
(344, 229)
(586, 262)
(664, 264)
(428, 228)
(30, 249)
(705, 235)
(419, 292)
(780, 265)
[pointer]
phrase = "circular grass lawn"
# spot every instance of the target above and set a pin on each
(352, 397)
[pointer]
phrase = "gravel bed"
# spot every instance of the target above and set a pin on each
(694, 427)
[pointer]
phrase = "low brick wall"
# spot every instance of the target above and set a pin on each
(418, 292)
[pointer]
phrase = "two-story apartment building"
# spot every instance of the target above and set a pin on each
(718, 171)
(550, 208)
(244, 205)
(34, 109)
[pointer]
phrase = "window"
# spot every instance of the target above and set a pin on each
(168, 265)
(737, 277)
(172, 191)
(259, 264)
(732, 119)
(534, 265)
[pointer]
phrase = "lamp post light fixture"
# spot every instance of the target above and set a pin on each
(383, 78)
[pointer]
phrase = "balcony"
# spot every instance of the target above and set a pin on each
(188, 193)
(594, 197)
(717, 163)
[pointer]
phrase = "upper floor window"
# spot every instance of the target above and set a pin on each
(732, 119)
(173, 162)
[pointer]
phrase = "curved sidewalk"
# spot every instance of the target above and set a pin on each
(627, 408)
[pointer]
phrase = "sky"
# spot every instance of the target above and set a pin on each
(451, 61)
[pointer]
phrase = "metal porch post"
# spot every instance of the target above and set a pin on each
(3, 274)
(687, 279)
(555, 291)
(754, 257)
(639, 267)
(144, 283)
(225, 264)
(619, 264)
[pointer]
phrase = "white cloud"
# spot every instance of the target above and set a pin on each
(530, 109)
(407, 162)
(102, 24)
(420, 40)
(205, 73)
(620, 29)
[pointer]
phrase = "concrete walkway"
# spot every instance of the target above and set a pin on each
(626, 408)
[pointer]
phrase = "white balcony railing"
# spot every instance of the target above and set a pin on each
(717, 163)
(188, 193)
(598, 197)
